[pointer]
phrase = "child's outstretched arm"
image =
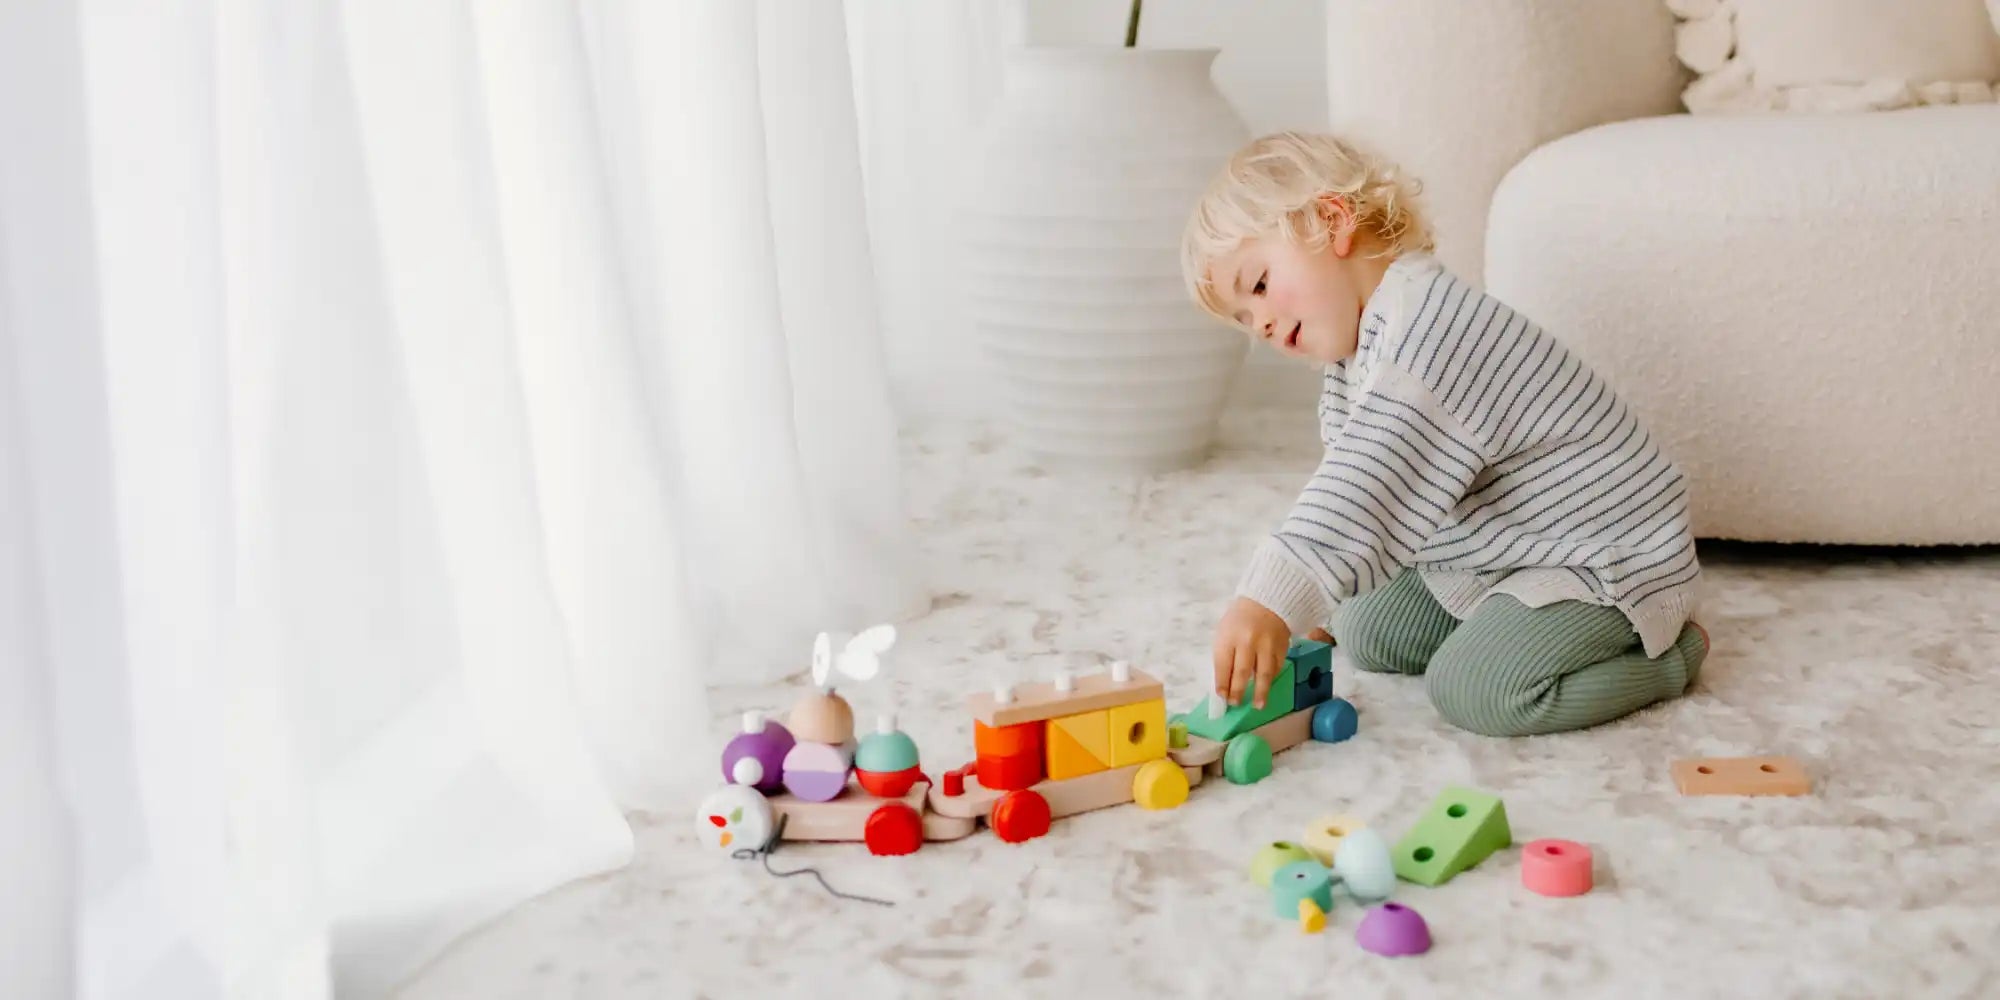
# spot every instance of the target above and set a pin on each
(1392, 475)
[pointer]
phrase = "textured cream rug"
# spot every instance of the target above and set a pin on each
(1881, 670)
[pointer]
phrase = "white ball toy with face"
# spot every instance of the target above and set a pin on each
(734, 817)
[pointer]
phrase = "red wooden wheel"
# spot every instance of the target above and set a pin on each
(1020, 815)
(893, 828)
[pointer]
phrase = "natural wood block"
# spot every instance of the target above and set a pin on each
(1741, 776)
(1041, 700)
(846, 817)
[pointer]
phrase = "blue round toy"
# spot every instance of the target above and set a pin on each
(1334, 721)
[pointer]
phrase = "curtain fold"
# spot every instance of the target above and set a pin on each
(405, 411)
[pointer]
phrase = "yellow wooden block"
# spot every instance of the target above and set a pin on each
(1067, 756)
(1138, 732)
(1091, 730)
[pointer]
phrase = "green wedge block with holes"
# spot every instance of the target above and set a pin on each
(1462, 828)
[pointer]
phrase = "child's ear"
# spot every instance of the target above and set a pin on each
(1338, 213)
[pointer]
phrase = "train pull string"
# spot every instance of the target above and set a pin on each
(771, 846)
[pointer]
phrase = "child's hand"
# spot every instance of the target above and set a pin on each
(1250, 644)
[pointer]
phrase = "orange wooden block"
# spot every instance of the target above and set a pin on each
(1007, 741)
(1069, 757)
(1091, 692)
(1741, 776)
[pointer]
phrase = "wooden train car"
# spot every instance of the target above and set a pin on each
(1042, 751)
(1064, 747)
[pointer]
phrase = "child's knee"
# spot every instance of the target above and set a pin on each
(1479, 699)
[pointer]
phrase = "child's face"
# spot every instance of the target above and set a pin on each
(1303, 303)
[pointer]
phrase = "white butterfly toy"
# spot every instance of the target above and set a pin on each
(859, 657)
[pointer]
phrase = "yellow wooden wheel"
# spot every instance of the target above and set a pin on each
(1160, 784)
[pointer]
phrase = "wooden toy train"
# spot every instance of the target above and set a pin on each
(1041, 751)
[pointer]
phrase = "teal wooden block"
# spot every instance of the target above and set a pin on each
(1462, 828)
(1311, 654)
(1243, 718)
(1312, 672)
(1301, 880)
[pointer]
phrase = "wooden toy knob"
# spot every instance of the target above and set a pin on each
(1121, 672)
(753, 721)
(1064, 682)
(1003, 694)
(823, 717)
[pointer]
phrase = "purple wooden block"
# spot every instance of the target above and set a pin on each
(766, 744)
(816, 772)
(1393, 929)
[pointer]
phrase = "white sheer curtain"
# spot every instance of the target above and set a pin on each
(404, 408)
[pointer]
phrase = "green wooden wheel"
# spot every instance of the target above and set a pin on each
(1247, 759)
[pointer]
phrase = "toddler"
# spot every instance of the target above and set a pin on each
(1488, 512)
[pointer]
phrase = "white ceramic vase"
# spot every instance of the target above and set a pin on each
(1086, 174)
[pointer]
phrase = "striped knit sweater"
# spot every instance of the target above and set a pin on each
(1464, 441)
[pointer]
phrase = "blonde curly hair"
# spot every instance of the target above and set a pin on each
(1272, 187)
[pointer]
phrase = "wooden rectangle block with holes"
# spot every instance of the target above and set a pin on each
(1741, 776)
(1040, 700)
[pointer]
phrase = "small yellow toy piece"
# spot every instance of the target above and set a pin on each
(1312, 919)
(1160, 784)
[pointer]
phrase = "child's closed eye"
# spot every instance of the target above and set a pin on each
(1259, 288)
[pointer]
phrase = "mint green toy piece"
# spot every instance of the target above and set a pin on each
(1462, 828)
(1301, 880)
(1247, 760)
(886, 752)
(1243, 718)
(1363, 864)
(1273, 856)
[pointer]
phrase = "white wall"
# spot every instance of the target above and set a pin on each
(1272, 68)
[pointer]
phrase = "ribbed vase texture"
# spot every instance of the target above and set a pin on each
(1089, 168)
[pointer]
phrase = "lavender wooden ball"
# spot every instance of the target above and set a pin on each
(756, 756)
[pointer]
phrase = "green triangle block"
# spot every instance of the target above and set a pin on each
(1239, 719)
(1462, 828)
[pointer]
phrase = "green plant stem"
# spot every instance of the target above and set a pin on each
(1132, 25)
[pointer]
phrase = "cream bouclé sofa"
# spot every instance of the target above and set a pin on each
(1804, 307)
